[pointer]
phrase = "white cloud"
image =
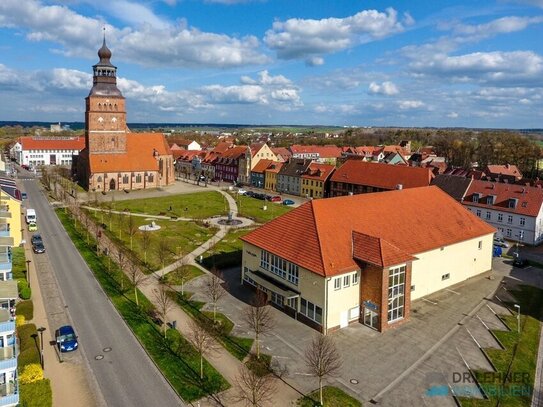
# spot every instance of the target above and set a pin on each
(314, 61)
(502, 25)
(386, 88)
(151, 44)
(303, 38)
(452, 115)
(410, 104)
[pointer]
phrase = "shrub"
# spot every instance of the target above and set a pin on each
(25, 293)
(20, 320)
(31, 373)
(37, 394)
(25, 309)
(21, 284)
(25, 333)
(28, 357)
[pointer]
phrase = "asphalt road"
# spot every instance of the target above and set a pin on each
(125, 375)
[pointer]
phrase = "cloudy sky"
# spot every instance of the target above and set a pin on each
(342, 62)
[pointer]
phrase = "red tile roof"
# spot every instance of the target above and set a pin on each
(529, 199)
(377, 251)
(382, 175)
(255, 148)
(328, 151)
(139, 156)
(507, 169)
(52, 143)
(283, 152)
(318, 235)
(222, 146)
(261, 166)
(234, 152)
(275, 167)
(320, 172)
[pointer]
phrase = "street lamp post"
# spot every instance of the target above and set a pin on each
(518, 317)
(28, 272)
(40, 330)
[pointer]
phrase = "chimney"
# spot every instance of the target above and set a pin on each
(399, 187)
(350, 194)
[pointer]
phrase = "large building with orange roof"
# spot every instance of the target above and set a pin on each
(364, 258)
(115, 158)
(39, 150)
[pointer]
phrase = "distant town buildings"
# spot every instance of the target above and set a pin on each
(41, 150)
(115, 158)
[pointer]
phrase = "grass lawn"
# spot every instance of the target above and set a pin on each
(252, 208)
(37, 394)
(199, 205)
(176, 359)
(332, 397)
(227, 252)
(518, 359)
(180, 237)
(187, 273)
(238, 346)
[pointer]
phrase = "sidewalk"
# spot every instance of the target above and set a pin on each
(69, 381)
(537, 397)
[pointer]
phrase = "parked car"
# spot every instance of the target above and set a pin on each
(66, 339)
(501, 243)
(259, 196)
(268, 197)
(276, 198)
(36, 238)
(250, 193)
(241, 191)
(38, 247)
(288, 202)
(32, 227)
(519, 261)
(24, 195)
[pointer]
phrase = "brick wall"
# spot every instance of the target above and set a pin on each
(104, 115)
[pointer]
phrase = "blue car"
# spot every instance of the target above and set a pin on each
(288, 202)
(66, 339)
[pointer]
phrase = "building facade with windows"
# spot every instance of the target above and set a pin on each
(516, 211)
(289, 177)
(36, 150)
(359, 259)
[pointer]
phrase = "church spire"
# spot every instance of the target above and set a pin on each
(105, 73)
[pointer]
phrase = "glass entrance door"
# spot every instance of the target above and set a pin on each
(371, 318)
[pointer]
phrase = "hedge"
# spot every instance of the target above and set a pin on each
(26, 309)
(36, 394)
(28, 346)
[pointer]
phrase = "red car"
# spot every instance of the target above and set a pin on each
(276, 198)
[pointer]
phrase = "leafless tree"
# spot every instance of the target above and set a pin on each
(163, 249)
(86, 223)
(322, 359)
(109, 215)
(136, 277)
(260, 319)
(182, 272)
(122, 262)
(145, 243)
(132, 228)
(120, 223)
(255, 390)
(202, 340)
(214, 291)
(163, 303)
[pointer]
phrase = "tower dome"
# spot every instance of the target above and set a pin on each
(104, 53)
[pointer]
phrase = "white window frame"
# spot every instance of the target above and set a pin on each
(347, 280)
(337, 283)
(355, 278)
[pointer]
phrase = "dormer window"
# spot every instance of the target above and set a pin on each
(476, 197)
(490, 199)
(512, 203)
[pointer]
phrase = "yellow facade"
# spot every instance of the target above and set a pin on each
(270, 180)
(312, 188)
(13, 206)
(265, 153)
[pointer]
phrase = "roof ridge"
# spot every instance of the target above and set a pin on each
(324, 266)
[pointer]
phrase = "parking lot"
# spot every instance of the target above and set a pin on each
(400, 366)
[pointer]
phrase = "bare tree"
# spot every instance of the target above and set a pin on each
(323, 359)
(202, 340)
(132, 228)
(214, 291)
(145, 243)
(109, 214)
(136, 277)
(163, 249)
(182, 272)
(87, 223)
(120, 223)
(255, 390)
(122, 262)
(163, 303)
(260, 319)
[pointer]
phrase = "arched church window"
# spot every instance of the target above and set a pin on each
(99, 179)
(125, 179)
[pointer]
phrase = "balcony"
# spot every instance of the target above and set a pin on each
(5, 214)
(6, 326)
(8, 358)
(9, 394)
(5, 260)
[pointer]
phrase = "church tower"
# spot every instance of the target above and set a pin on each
(105, 114)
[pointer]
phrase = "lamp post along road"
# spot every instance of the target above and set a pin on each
(518, 317)
(28, 272)
(40, 330)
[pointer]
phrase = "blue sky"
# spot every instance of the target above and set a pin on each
(341, 62)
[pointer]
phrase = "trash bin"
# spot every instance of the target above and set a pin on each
(174, 324)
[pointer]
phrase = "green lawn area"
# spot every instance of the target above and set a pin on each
(37, 394)
(199, 205)
(252, 208)
(174, 356)
(179, 236)
(332, 397)
(227, 252)
(518, 359)
(236, 345)
(187, 273)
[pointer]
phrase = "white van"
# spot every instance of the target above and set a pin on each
(31, 216)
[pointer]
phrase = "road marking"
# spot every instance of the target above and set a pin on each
(431, 302)
(452, 291)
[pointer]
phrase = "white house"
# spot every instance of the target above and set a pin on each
(34, 151)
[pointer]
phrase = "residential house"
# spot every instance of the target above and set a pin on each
(270, 175)
(34, 150)
(11, 201)
(282, 153)
(515, 210)
(322, 154)
(254, 154)
(455, 186)
(289, 177)
(503, 173)
(358, 177)
(365, 258)
(227, 164)
(315, 181)
(188, 162)
(190, 145)
(9, 389)
(258, 173)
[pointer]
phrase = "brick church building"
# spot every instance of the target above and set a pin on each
(114, 158)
